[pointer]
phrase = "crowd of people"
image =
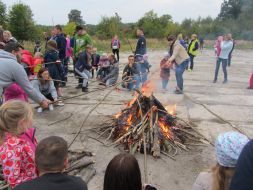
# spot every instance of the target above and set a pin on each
(27, 164)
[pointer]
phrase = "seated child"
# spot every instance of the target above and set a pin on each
(95, 58)
(38, 62)
(17, 142)
(51, 160)
(228, 148)
(130, 74)
(103, 66)
(165, 71)
(44, 85)
(113, 74)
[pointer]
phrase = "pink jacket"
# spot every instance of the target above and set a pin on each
(17, 155)
(217, 46)
(68, 48)
(14, 91)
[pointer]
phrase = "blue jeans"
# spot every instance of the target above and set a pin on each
(179, 74)
(144, 77)
(86, 75)
(224, 68)
(165, 83)
(137, 79)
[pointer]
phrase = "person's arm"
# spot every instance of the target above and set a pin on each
(175, 53)
(119, 44)
(52, 90)
(196, 47)
(20, 77)
(36, 86)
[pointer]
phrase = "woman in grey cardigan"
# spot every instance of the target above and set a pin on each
(45, 86)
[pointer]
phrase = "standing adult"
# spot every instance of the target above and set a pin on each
(231, 52)
(11, 71)
(141, 46)
(80, 40)
(61, 46)
(201, 43)
(193, 50)
(226, 47)
(141, 50)
(115, 45)
(180, 58)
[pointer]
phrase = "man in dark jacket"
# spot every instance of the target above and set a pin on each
(61, 46)
(141, 46)
(51, 159)
(83, 67)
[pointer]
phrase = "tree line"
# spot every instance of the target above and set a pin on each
(235, 16)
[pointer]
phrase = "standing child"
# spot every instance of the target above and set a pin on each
(38, 61)
(53, 64)
(165, 71)
(17, 142)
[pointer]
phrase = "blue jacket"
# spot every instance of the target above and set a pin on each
(141, 47)
(54, 69)
(61, 45)
(83, 62)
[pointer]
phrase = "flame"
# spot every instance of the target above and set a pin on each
(148, 88)
(117, 115)
(129, 104)
(165, 130)
(171, 109)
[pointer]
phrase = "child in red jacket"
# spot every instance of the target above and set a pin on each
(38, 62)
(165, 72)
(17, 142)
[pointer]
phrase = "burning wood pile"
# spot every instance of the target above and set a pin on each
(146, 125)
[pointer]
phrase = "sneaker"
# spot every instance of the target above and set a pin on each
(178, 92)
(39, 110)
(225, 81)
(51, 107)
(60, 103)
(189, 69)
(84, 89)
(214, 81)
(79, 86)
(249, 88)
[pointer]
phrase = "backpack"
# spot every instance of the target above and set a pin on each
(115, 44)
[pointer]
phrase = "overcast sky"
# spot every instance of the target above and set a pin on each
(55, 11)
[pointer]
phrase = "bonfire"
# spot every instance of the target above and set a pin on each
(145, 125)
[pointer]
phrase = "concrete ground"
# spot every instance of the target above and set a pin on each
(232, 101)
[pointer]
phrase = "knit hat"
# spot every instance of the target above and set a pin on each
(52, 44)
(228, 148)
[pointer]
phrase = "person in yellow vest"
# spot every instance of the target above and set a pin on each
(193, 50)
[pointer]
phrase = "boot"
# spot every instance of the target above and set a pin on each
(84, 89)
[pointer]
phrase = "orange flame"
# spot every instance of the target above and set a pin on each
(117, 115)
(148, 89)
(165, 130)
(171, 109)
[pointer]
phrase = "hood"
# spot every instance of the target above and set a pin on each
(26, 52)
(7, 55)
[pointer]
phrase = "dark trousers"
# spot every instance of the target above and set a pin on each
(49, 97)
(191, 62)
(80, 79)
(93, 72)
(224, 67)
(116, 51)
(229, 59)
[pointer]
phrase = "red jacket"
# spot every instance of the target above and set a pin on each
(28, 59)
(165, 69)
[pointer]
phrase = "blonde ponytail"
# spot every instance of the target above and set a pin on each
(221, 177)
(11, 113)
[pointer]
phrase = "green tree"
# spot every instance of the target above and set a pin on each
(108, 27)
(75, 16)
(230, 9)
(3, 16)
(69, 28)
(21, 23)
